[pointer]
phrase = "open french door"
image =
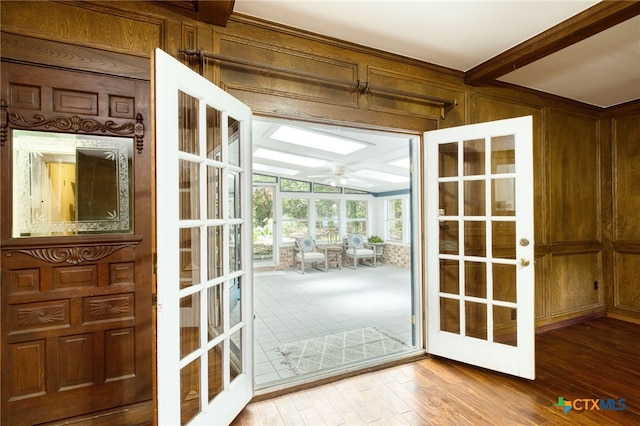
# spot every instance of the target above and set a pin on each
(479, 222)
(204, 262)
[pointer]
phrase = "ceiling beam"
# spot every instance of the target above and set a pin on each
(600, 17)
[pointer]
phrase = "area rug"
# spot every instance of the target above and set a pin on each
(339, 349)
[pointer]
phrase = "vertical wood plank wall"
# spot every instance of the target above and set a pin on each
(586, 159)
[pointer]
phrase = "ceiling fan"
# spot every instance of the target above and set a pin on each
(338, 177)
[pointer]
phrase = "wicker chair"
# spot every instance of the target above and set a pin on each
(356, 249)
(305, 251)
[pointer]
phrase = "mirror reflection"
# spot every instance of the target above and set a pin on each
(68, 184)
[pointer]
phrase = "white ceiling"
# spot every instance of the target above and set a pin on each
(602, 70)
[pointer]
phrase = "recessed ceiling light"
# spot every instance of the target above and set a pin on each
(273, 169)
(381, 176)
(316, 140)
(283, 157)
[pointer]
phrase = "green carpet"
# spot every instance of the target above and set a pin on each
(339, 349)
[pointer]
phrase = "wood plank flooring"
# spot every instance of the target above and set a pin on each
(596, 359)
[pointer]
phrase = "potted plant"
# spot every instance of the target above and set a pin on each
(374, 239)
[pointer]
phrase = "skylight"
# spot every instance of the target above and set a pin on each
(316, 140)
(273, 169)
(283, 157)
(402, 162)
(381, 176)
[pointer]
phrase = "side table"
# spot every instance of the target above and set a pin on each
(334, 255)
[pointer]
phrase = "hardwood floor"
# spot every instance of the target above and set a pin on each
(596, 359)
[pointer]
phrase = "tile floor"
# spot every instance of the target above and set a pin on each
(290, 307)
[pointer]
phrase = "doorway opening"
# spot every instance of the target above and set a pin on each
(334, 186)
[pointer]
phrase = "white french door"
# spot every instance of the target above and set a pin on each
(204, 263)
(479, 222)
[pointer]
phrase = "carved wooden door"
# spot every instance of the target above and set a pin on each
(75, 244)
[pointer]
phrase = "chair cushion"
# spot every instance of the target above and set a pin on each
(356, 241)
(360, 252)
(314, 255)
(306, 243)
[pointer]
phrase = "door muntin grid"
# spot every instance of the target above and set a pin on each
(477, 238)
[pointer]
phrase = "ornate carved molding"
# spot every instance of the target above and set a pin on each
(73, 255)
(41, 315)
(4, 122)
(138, 132)
(71, 124)
(111, 306)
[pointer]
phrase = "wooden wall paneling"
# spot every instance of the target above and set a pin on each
(85, 24)
(268, 93)
(379, 79)
(281, 84)
(624, 293)
(626, 148)
(541, 286)
(626, 290)
(571, 283)
(574, 178)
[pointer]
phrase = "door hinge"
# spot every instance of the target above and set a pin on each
(154, 299)
(155, 263)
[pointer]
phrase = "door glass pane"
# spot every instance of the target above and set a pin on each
(448, 160)
(189, 190)
(503, 161)
(234, 195)
(262, 223)
(214, 134)
(215, 252)
(474, 198)
(449, 276)
(449, 237)
(476, 320)
(504, 282)
(475, 238)
(505, 327)
(503, 239)
(189, 324)
(189, 257)
(235, 305)
(234, 141)
(235, 248)
(216, 382)
(189, 391)
(503, 197)
(474, 157)
(475, 279)
(503, 154)
(448, 198)
(214, 183)
(188, 123)
(215, 311)
(450, 315)
(236, 354)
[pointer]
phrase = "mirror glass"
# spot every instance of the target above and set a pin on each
(68, 184)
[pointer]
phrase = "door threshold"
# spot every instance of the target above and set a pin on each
(307, 381)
